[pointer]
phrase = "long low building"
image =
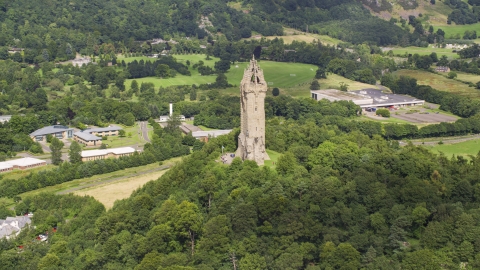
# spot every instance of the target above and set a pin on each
(21, 163)
(90, 155)
(367, 98)
(204, 135)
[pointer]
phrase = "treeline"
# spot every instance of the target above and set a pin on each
(141, 69)
(165, 144)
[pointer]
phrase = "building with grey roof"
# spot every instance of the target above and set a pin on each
(92, 136)
(367, 98)
(11, 226)
(58, 131)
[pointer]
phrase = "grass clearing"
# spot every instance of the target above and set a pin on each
(466, 148)
(440, 82)
(455, 29)
(273, 158)
(277, 74)
(133, 137)
(99, 179)
(425, 51)
(467, 77)
(291, 35)
(333, 82)
(107, 194)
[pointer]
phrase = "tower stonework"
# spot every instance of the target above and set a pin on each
(251, 141)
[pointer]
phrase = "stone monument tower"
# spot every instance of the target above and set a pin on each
(251, 141)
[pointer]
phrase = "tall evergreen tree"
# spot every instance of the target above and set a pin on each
(56, 148)
(74, 154)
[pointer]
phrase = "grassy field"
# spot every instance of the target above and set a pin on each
(99, 179)
(454, 29)
(440, 82)
(460, 149)
(467, 77)
(291, 35)
(133, 137)
(425, 51)
(273, 158)
(277, 74)
(333, 82)
(107, 194)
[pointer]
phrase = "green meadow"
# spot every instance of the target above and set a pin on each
(426, 51)
(471, 147)
(454, 29)
(277, 74)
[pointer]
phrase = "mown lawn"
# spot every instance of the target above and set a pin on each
(273, 158)
(471, 147)
(440, 82)
(277, 74)
(425, 51)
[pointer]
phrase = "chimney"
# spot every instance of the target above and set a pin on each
(171, 109)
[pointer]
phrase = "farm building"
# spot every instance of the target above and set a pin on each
(367, 98)
(204, 135)
(22, 164)
(107, 153)
(58, 131)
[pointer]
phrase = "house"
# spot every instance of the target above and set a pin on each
(5, 118)
(92, 136)
(11, 226)
(107, 153)
(59, 131)
(442, 69)
(204, 135)
(21, 163)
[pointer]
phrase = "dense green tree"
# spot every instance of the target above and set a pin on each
(56, 147)
(74, 153)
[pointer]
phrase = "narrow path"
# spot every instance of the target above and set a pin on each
(70, 190)
(449, 140)
(144, 130)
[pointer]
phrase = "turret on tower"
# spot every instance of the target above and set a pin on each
(251, 141)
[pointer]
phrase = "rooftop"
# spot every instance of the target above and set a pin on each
(50, 130)
(211, 133)
(103, 129)
(86, 136)
(366, 97)
(21, 162)
(103, 152)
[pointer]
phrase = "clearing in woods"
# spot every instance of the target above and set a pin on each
(440, 82)
(107, 194)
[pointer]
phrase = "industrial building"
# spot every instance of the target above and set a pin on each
(22, 164)
(107, 153)
(367, 98)
(58, 131)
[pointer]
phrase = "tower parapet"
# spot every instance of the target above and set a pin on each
(251, 141)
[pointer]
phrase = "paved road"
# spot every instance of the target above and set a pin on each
(144, 130)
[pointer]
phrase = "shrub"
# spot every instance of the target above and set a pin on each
(383, 112)
(275, 92)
